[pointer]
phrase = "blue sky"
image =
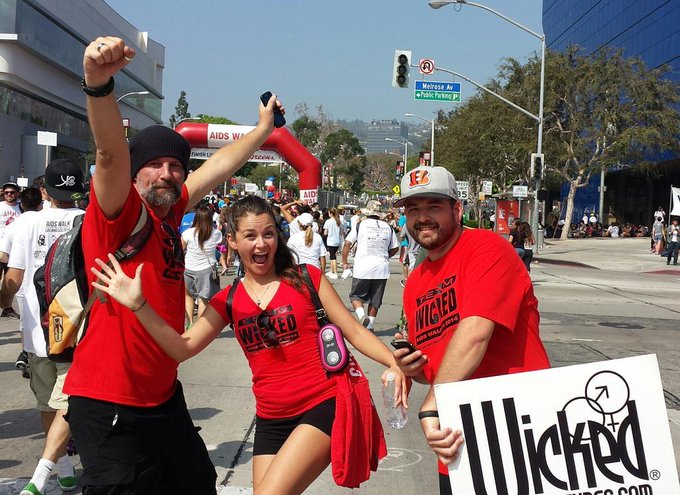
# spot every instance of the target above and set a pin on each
(225, 53)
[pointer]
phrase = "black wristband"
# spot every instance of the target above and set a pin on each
(428, 414)
(104, 90)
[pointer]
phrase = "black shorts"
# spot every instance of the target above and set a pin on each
(271, 434)
(333, 252)
(129, 450)
(444, 485)
(368, 290)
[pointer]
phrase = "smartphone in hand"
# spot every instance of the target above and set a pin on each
(279, 119)
(403, 344)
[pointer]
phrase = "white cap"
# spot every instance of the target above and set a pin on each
(427, 182)
(305, 219)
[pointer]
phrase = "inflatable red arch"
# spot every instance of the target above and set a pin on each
(214, 136)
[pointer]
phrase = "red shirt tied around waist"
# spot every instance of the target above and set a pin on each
(275, 323)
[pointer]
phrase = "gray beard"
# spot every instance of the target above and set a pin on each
(156, 197)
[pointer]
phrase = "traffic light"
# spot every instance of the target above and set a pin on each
(537, 166)
(399, 170)
(402, 68)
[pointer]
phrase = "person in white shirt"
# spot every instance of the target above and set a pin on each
(9, 208)
(673, 243)
(334, 238)
(31, 202)
(64, 184)
(376, 244)
(307, 245)
(200, 244)
(660, 213)
(293, 225)
(613, 230)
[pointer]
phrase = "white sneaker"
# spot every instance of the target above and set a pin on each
(333, 276)
(346, 273)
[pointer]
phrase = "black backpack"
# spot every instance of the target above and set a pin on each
(63, 292)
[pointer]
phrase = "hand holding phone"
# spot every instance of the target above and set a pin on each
(404, 344)
(279, 119)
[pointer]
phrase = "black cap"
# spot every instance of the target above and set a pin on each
(154, 142)
(64, 180)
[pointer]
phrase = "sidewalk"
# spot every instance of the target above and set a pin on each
(631, 255)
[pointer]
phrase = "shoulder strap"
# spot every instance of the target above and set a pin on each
(131, 246)
(138, 237)
(321, 315)
(230, 299)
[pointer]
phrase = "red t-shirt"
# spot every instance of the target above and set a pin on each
(118, 361)
(288, 378)
(480, 276)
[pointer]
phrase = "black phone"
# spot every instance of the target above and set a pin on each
(279, 119)
(403, 344)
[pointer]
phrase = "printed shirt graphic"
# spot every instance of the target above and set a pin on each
(8, 213)
(118, 361)
(34, 237)
(374, 239)
(288, 378)
(480, 276)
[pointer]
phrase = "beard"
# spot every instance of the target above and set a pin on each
(158, 195)
(435, 237)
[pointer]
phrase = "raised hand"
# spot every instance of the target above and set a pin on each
(103, 58)
(113, 281)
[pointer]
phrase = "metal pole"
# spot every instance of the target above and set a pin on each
(405, 155)
(432, 146)
(539, 146)
(601, 209)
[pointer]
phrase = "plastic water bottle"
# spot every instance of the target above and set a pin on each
(396, 416)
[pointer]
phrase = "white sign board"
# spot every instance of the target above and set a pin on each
(260, 156)
(47, 138)
(309, 196)
(220, 134)
(603, 430)
(487, 187)
(22, 181)
(249, 187)
(520, 191)
(463, 186)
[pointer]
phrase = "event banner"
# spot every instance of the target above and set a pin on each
(591, 429)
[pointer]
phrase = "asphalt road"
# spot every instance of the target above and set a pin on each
(598, 301)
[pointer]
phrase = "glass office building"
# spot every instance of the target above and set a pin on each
(649, 29)
(41, 52)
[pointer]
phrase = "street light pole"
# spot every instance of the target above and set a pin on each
(133, 93)
(405, 143)
(541, 37)
(431, 139)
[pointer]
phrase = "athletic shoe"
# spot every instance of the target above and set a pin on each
(68, 483)
(333, 276)
(402, 283)
(30, 489)
(22, 360)
(9, 313)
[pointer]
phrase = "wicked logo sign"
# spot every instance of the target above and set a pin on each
(592, 429)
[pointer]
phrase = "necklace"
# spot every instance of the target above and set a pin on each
(259, 298)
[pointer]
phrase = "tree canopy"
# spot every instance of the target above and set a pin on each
(600, 110)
